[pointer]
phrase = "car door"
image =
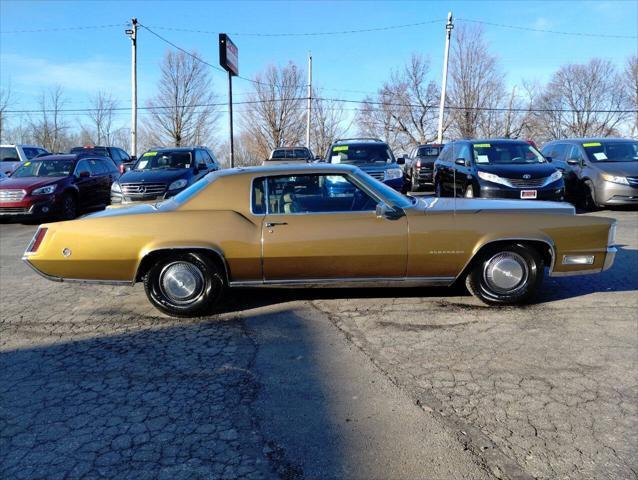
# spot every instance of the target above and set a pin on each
(462, 171)
(106, 174)
(314, 231)
(88, 191)
(201, 166)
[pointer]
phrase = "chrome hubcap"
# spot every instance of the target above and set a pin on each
(505, 272)
(181, 282)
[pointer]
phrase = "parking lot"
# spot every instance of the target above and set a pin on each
(413, 383)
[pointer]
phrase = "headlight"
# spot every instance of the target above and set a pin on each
(614, 179)
(557, 175)
(391, 173)
(490, 177)
(44, 190)
(116, 187)
(181, 183)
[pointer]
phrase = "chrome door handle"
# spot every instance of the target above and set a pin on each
(273, 224)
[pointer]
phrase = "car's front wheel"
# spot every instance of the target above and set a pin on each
(185, 285)
(506, 275)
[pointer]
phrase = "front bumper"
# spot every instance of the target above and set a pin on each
(553, 192)
(41, 208)
(423, 176)
(608, 193)
(118, 198)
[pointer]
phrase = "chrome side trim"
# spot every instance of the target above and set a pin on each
(552, 250)
(575, 272)
(349, 282)
(76, 280)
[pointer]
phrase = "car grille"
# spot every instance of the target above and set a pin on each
(14, 210)
(378, 174)
(527, 183)
(143, 190)
(9, 196)
(633, 181)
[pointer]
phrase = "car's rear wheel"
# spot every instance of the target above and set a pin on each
(69, 206)
(506, 275)
(185, 285)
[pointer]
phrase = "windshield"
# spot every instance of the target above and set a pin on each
(361, 154)
(506, 153)
(44, 168)
(285, 153)
(428, 152)
(393, 197)
(9, 154)
(612, 151)
(164, 161)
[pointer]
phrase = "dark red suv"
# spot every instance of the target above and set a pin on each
(57, 185)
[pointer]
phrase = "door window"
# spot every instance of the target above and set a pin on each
(82, 166)
(97, 167)
(316, 194)
(575, 154)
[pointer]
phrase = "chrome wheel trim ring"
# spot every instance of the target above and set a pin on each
(181, 282)
(506, 272)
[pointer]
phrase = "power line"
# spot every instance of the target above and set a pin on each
(64, 29)
(543, 30)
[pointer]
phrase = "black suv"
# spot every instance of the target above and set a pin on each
(419, 168)
(496, 169)
(598, 171)
(121, 159)
(163, 172)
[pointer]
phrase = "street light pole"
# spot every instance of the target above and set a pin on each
(448, 33)
(132, 33)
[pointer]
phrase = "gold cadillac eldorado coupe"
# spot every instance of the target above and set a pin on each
(318, 225)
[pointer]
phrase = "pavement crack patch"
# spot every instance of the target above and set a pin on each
(416, 327)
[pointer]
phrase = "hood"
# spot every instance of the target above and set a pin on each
(623, 169)
(155, 176)
(28, 183)
(369, 167)
(477, 205)
(534, 170)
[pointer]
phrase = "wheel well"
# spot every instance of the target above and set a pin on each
(543, 249)
(71, 191)
(153, 257)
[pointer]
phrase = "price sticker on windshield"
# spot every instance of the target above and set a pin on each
(593, 144)
(142, 164)
(149, 154)
(482, 145)
(340, 148)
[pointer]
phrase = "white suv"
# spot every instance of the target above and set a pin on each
(12, 155)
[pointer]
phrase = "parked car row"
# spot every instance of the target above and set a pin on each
(64, 185)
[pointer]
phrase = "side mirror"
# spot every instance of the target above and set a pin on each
(401, 161)
(84, 174)
(461, 161)
(384, 210)
(201, 166)
(573, 161)
(549, 159)
(132, 158)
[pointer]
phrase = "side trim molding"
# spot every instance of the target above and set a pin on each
(372, 282)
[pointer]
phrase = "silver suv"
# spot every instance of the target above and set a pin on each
(598, 172)
(12, 155)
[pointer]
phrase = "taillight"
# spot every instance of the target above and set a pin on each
(418, 163)
(37, 240)
(122, 169)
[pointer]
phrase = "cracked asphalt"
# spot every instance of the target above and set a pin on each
(413, 383)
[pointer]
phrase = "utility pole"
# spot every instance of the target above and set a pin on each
(230, 119)
(448, 33)
(309, 114)
(132, 33)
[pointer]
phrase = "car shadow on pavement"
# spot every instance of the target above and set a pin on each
(170, 403)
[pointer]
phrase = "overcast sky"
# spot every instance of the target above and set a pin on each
(84, 59)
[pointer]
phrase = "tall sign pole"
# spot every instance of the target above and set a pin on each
(309, 113)
(132, 33)
(229, 59)
(448, 33)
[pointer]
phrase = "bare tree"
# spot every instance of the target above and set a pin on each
(406, 113)
(49, 129)
(327, 124)
(103, 106)
(276, 116)
(583, 100)
(476, 83)
(630, 76)
(182, 113)
(5, 102)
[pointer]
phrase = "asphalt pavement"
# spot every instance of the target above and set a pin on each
(397, 383)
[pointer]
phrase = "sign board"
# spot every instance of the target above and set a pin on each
(228, 54)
